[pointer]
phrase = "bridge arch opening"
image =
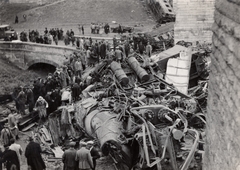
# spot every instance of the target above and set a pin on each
(42, 68)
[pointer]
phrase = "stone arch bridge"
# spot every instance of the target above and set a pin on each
(25, 54)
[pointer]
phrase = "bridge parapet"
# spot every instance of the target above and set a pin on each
(25, 54)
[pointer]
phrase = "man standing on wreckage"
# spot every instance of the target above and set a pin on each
(33, 155)
(69, 157)
(94, 153)
(41, 106)
(84, 158)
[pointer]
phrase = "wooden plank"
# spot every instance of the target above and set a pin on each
(28, 127)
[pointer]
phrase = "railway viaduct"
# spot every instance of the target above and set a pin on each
(25, 54)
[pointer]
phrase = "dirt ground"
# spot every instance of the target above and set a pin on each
(67, 15)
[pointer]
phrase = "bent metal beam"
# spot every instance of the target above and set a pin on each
(25, 54)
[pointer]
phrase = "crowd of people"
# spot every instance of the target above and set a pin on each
(54, 35)
(81, 29)
(83, 159)
(11, 155)
(43, 96)
(69, 37)
(48, 37)
(68, 76)
(11, 152)
(95, 28)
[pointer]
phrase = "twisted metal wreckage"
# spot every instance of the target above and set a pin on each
(138, 118)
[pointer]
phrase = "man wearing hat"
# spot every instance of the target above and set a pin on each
(65, 76)
(13, 125)
(114, 42)
(41, 105)
(17, 148)
(94, 153)
(33, 155)
(22, 98)
(84, 159)
(78, 67)
(118, 54)
(149, 49)
(82, 144)
(69, 157)
(11, 159)
(1, 156)
(14, 97)
(30, 99)
(6, 135)
(66, 96)
(103, 50)
(127, 48)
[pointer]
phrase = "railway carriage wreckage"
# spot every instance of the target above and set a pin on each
(135, 115)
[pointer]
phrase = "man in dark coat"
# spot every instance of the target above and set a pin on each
(75, 91)
(118, 55)
(14, 97)
(141, 48)
(1, 156)
(56, 99)
(41, 39)
(135, 42)
(16, 19)
(96, 51)
(36, 89)
(30, 99)
(114, 42)
(22, 98)
(127, 48)
(69, 157)
(48, 98)
(103, 49)
(11, 159)
(82, 30)
(72, 37)
(33, 155)
(94, 153)
(78, 42)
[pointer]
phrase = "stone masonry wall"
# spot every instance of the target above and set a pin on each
(222, 150)
(25, 54)
(194, 19)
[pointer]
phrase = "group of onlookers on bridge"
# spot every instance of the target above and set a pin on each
(48, 37)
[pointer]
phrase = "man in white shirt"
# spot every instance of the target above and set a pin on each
(88, 53)
(78, 67)
(81, 43)
(66, 96)
(17, 148)
(149, 49)
(13, 125)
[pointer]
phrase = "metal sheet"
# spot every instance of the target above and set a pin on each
(168, 53)
(178, 71)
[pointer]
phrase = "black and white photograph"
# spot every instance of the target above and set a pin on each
(119, 85)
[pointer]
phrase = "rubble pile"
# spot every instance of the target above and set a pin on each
(134, 114)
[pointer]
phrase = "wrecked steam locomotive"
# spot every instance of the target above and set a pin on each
(135, 116)
(140, 120)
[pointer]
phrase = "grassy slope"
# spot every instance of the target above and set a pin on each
(9, 11)
(12, 76)
(67, 14)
